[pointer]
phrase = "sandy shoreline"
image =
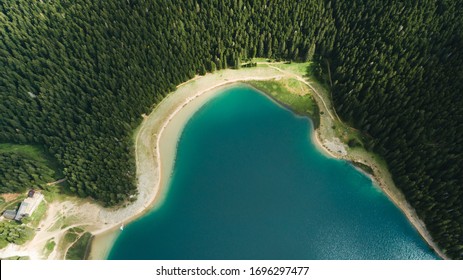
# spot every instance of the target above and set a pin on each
(323, 138)
(179, 117)
(157, 138)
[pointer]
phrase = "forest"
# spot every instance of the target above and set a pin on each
(24, 167)
(78, 74)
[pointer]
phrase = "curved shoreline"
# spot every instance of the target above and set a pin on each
(381, 176)
(391, 192)
(186, 106)
(153, 140)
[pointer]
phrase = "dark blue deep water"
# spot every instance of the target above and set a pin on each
(248, 183)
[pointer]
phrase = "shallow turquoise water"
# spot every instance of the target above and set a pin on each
(249, 184)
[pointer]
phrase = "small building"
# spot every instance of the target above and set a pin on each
(29, 205)
(9, 214)
(31, 193)
(22, 211)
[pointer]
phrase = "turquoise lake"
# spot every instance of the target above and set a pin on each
(248, 183)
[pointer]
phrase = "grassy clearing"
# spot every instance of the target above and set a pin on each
(78, 250)
(49, 247)
(31, 152)
(38, 214)
(301, 69)
(293, 94)
(70, 237)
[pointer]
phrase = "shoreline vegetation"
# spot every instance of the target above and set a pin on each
(153, 142)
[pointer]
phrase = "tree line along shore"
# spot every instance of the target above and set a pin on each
(154, 146)
(78, 75)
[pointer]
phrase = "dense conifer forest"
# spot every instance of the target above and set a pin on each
(76, 76)
(21, 171)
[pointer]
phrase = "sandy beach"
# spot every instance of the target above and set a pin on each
(155, 138)
(155, 148)
(190, 96)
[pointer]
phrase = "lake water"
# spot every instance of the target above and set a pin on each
(248, 183)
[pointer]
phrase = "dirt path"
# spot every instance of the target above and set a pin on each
(56, 182)
(381, 175)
